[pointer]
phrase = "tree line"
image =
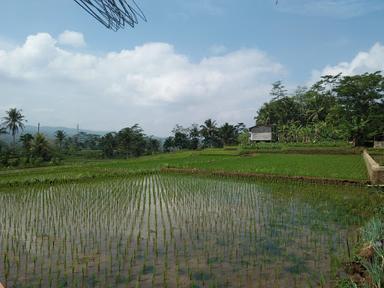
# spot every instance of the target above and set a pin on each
(32, 150)
(348, 108)
(207, 135)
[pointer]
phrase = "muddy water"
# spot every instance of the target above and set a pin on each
(177, 231)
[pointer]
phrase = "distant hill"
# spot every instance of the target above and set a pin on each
(49, 132)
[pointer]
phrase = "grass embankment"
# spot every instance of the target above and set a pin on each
(344, 167)
(303, 148)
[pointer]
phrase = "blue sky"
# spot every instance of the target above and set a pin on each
(293, 41)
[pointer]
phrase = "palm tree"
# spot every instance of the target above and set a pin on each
(209, 131)
(26, 139)
(14, 121)
(40, 147)
(228, 134)
(60, 136)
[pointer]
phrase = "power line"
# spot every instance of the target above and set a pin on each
(113, 14)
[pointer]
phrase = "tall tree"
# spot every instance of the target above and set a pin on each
(40, 148)
(194, 136)
(14, 121)
(181, 137)
(335, 108)
(131, 141)
(26, 140)
(278, 91)
(153, 145)
(209, 131)
(362, 100)
(169, 144)
(228, 134)
(60, 136)
(109, 144)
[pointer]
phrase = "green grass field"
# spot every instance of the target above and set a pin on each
(312, 165)
(325, 166)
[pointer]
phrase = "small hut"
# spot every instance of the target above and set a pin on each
(261, 133)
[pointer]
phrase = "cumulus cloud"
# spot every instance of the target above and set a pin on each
(370, 61)
(71, 38)
(152, 85)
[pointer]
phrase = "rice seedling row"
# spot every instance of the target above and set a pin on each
(172, 231)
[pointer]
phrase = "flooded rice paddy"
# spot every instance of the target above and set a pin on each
(176, 231)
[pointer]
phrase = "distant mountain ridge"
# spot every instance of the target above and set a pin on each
(49, 132)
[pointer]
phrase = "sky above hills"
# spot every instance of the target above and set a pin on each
(191, 61)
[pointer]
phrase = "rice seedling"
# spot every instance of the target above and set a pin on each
(154, 230)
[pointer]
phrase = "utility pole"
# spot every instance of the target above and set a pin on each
(38, 128)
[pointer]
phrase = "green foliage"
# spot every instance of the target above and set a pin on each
(40, 149)
(243, 139)
(373, 231)
(14, 121)
(26, 141)
(128, 142)
(168, 144)
(209, 136)
(373, 262)
(335, 108)
(228, 134)
(60, 136)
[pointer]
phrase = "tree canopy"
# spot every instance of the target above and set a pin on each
(334, 108)
(14, 121)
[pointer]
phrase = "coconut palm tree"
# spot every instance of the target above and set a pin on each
(60, 136)
(209, 132)
(228, 134)
(14, 121)
(26, 140)
(40, 147)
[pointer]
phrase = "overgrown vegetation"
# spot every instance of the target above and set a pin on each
(367, 267)
(346, 108)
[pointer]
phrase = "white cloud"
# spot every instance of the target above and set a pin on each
(71, 38)
(370, 61)
(152, 85)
